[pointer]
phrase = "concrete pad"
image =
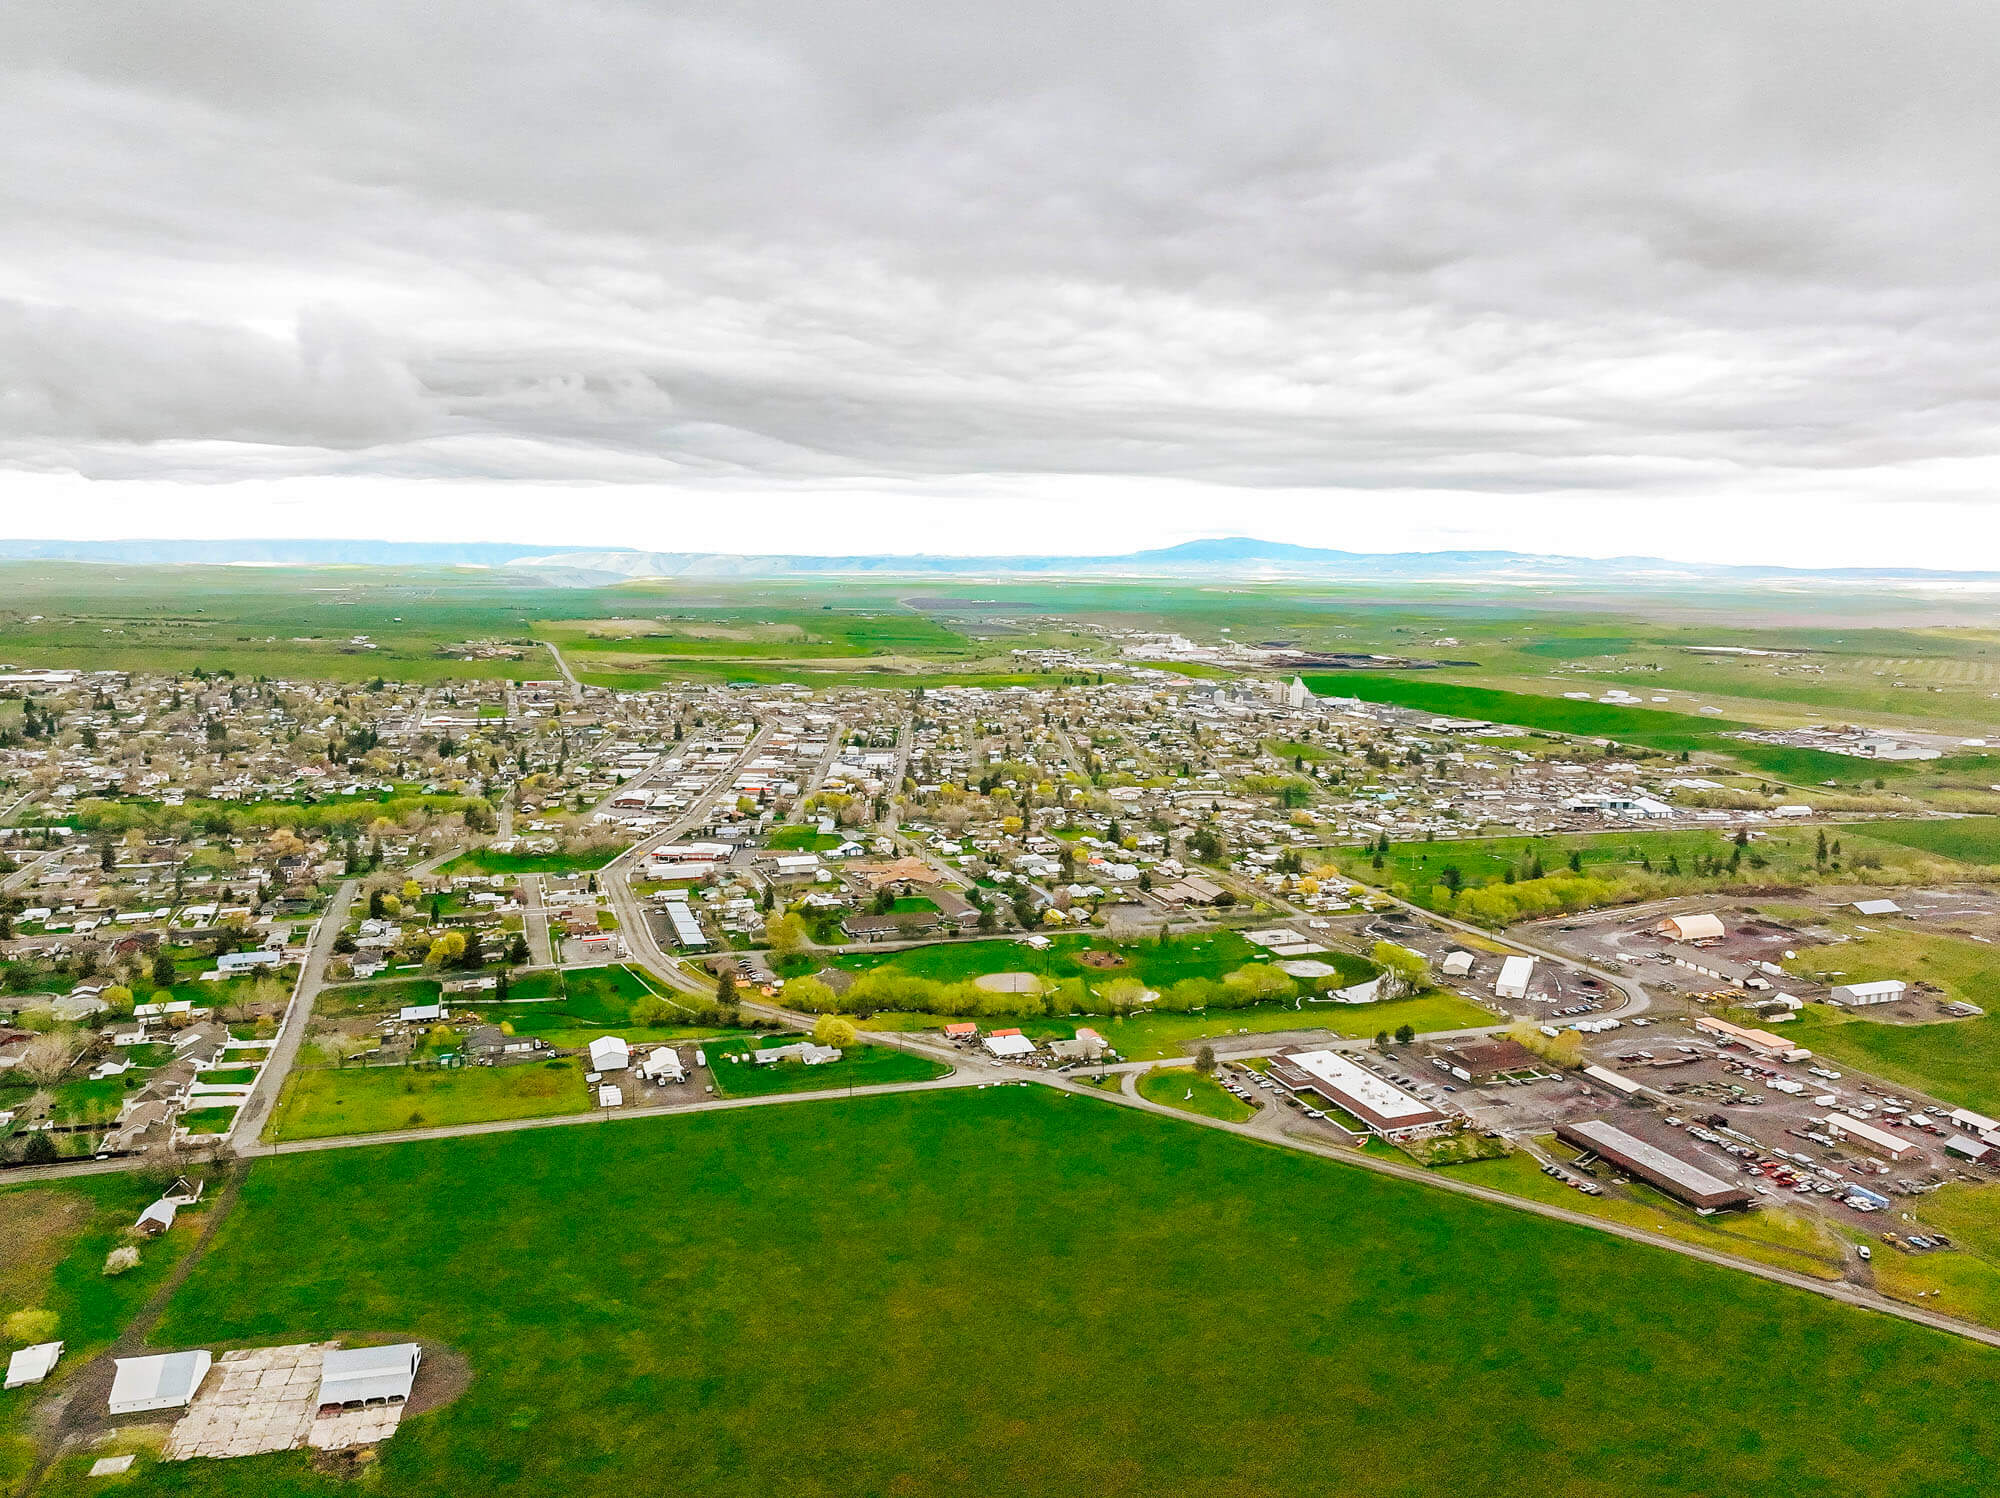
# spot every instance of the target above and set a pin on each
(110, 1466)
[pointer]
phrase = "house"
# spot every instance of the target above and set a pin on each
(156, 1219)
(961, 1030)
(355, 1377)
(663, 1064)
(805, 1051)
(243, 962)
(609, 1053)
(30, 1365)
(164, 1381)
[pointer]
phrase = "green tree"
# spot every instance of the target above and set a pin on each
(836, 1030)
(1404, 1035)
(1204, 1060)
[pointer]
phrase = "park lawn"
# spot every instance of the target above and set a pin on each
(801, 839)
(858, 1066)
(56, 1236)
(322, 1103)
(1184, 1088)
(1611, 1369)
(561, 861)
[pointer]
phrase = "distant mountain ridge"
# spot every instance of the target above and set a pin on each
(1239, 557)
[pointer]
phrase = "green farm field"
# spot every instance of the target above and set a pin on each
(1012, 1290)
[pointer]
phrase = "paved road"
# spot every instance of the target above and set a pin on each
(615, 878)
(279, 1059)
(535, 922)
(575, 686)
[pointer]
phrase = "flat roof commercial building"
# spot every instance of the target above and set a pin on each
(1383, 1107)
(1681, 1179)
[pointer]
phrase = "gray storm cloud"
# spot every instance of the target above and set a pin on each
(1517, 249)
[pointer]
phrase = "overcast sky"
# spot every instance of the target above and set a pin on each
(1707, 281)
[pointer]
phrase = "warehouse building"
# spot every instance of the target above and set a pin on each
(1515, 975)
(1861, 995)
(1681, 1179)
(1384, 1108)
(1877, 1141)
(1761, 1042)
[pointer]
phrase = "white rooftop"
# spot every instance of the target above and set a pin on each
(1384, 1099)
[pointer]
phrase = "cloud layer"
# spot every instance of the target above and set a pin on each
(1299, 258)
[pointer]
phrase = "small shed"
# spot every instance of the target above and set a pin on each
(1456, 964)
(157, 1218)
(163, 1381)
(352, 1377)
(30, 1365)
(609, 1053)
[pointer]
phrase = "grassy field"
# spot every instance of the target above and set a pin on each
(1208, 954)
(1970, 840)
(1154, 1037)
(1661, 861)
(1015, 1291)
(800, 839)
(859, 1066)
(1769, 1235)
(326, 1103)
(562, 861)
(56, 1237)
(1957, 1061)
(1652, 728)
(1184, 1088)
